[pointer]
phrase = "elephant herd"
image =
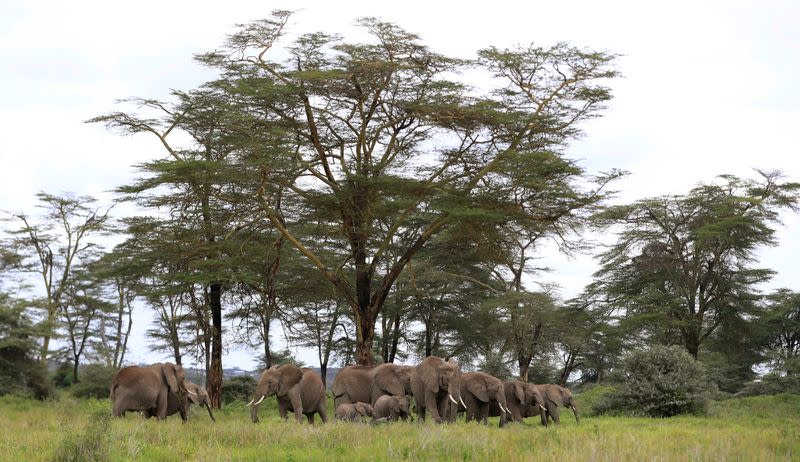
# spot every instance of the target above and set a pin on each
(380, 393)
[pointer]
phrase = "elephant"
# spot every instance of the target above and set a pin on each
(478, 390)
(368, 383)
(353, 412)
(434, 382)
(197, 395)
(298, 390)
(523, 400)
(147, 389)
(392, 407)
(555, 397)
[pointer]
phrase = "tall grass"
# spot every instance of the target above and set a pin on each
(762, 428)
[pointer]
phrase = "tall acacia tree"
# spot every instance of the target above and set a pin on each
(379, 141)
(52, 246)
(684, 265)
(184, 189)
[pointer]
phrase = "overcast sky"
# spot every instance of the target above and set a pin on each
(708, 88)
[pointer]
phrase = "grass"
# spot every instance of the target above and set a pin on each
(751, 429)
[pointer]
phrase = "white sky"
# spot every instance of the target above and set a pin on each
(709, 88)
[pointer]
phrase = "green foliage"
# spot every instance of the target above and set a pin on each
(659, 382)
(772, 384)
(685, 265)
(590, 396)
(20, 372)
(62, 377)
(241, 389)
(95, 381)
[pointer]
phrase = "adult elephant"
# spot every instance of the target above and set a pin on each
(479, 390)
(298, 390)
(522, 400)
(147, 389)
(366, 384)
(435, 383)
(555, 398)
(197, 395)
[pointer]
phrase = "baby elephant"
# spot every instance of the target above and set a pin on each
(391, 407)
(353, 412)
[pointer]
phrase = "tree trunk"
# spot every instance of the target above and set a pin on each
(395, 338)
(215, 372)
(365, 338)
(75, 370)
(524, 363)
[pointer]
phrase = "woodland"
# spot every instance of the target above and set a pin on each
(367, 201)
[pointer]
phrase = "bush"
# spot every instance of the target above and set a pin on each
(660, 382)
(20, 373)
(239, 388)
(772, 384)
(62, 377)
(94, 381)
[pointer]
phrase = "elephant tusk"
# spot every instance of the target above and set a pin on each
(191, 393)
(543, 408)
(451, 399)
(251, 402)
(259, 401)
(462, 402)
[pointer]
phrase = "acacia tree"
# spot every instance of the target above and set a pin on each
(378, 142)
(184, 191)
(780, 323)
(51, 246)
(685, 264)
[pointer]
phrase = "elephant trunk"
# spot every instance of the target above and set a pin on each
(208, 407)
(575, 410)
(254, 409)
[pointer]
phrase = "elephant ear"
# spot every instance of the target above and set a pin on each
(519, 392)
(391, 383)
(477, 387)
(554, 395)
(196, 397)
(170, 376)
(364, 409)
(429, 375)
(288, 376)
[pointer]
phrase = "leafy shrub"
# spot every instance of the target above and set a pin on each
(20, 373)
(772, 384)
(659, 382)
(239, 388)
(62, 377)
(590, 395)
(94, 381)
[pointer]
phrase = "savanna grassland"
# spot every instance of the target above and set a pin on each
(751, 429)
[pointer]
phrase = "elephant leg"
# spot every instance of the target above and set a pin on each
(484, 413)
(323, 413)
(282, 409)
(444, 408)
(117, 410)
(433, 406)
(554, 412)
(297, 404)
(310, 418)
(161, 405)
